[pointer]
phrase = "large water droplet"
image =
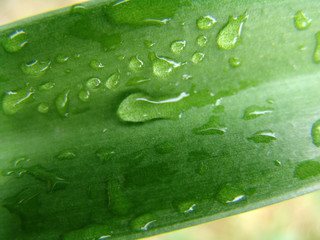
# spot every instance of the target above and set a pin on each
(93, 83)
(197, 57)
(229, 35)
(14, 101)
(255, 111)
(164, 148)
(84, 96)
(315, 132)
(301, 20)
(62, 103)
(206, 22)
(36, 67)
(162, 67)
(316, 56)
(177, 46)
(43, 108)
(137, 81)
(307, 169)
(95, 64)
(265, 136)
(15, 42)
(143, 223)
(202, 40)
(67, 155)
(213, 127)
(135, 64)
(113, 80)
(235, 62)
(230, 194)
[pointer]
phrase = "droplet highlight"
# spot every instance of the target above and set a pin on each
(84, 96)
(143, 223)
(255, 111)
(67, 155)
(62, 103)
(97, 65)
(35, 68)
(301, 20)
(135, 81)
(163, 67)
(235, 62)
(206, 22)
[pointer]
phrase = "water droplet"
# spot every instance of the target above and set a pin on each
(270, 101)
(93, 83)
(315, 132)
(162, 67)
(157, 21)
(36, 67)
(229, 35)
(149, 43)
(178, 46)
(143, 223)
(316, 56)
(62, 103)
(202, 40)
(20, 161)
(14, 101)
(197, 57)
(137, 81)
(47, 86)
(301, 20)
(135, 64)
(78, 9)
(105, 154)
(95, 64)
(164, 148)
(84, 96)
(278, 163)
(187, 207)
(15, 42)
(230, 194)
(62, 58)
(255, 111)
(92, 232)
(186, 76)
(43, 108)
(307, 169)
(213, 127)
(113, 80)
(67, 155)
(265, 136)
(235, 61)
(206, 22)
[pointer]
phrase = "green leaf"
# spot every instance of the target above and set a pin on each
(127, 119)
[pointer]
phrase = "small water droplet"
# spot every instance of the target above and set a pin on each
(105, 154)
(202, 40)
(235, 61)
(164, 148)
(316, 56)
(78, 9)
(113, 80)
(255, 111)
(137, 81)
(230, 194)
(84, 96)
(162, 67)
(197, 57)
(62, 103)
(315, 132)
(157, 21)
(186, 76)
(43, 108)
(92, 232)
(265, 136)
(301, 20)
(187, 207)
(206, 22)
(62, 58)
(135, 64)
(36, 67)
(143, 223)
(14, 101)
(95, 64)
(67, 155)
(270, 101)
(93, 83)
(15, 42)
(278, 163)
(178, 46)
(47, 86)
(229, 35)
(149, 43)
(307, 169)
(213, 127)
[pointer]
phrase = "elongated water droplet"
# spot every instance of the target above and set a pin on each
(62, 58)
(316, 56)
(78, 9)
(14, 101)
(307, 169)
(43, 108)
(187, 207)
(113, 80)
(177, 46)
(105, 154)
(93, 83)
(135, 64)
(206, 22)
(230, 194)
(229, 35)
(84, 96)
(143, 223)
(255, 111)
(164, 148)
(315, 132)
(15, 42)
(202, 40)
(62, 103)
(265, 136)
(213, 127)
(197, 57)
(67, 155)
(162, 67)
(137, 81)
(47, 86)
(235, 62)
(95, 64)
(36, 67)
(301, 20)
